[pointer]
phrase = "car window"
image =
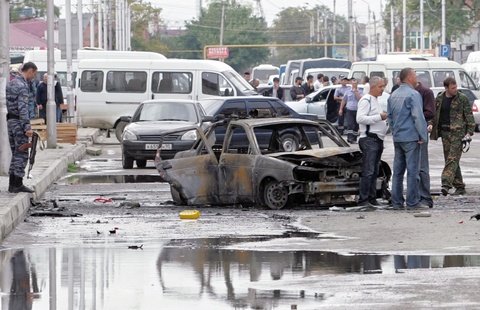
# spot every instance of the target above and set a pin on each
(470, 95)
(466, 81)
(126, 81)
(215, 84)
(91, 81)
(358, 75)
(423, 77)
(282, 110)
(233, 107)
(440, 76)
(172, 82)
(238, 142)
(173, 111)
(376, 73)
(261, 108)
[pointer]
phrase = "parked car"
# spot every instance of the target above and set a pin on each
(472, 97)
(323, 171)
(323, 104)
(256, 106)
(152, 118)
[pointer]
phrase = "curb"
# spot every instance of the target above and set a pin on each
(15, 210)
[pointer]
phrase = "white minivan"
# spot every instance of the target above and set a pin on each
(112, 88)
(40, 58)
(431, 71)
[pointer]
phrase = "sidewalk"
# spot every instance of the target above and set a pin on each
(50, 165)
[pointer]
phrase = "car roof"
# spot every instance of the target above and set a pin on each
(170, 101)
(213, 105)
(255, 122)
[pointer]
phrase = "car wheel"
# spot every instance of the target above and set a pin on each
(176, 197)
(141, 163)
(289, 142)
(127, 162)
(119, 130)
(274, 196)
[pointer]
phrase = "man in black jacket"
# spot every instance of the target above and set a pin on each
(42, 99)
(275, 90)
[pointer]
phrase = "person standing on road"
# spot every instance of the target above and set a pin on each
(409, 129)
(348, 107)
(296, 91)
(373, 128)
(275, 91)
(319, 82)
(339, 93)
(42, 99)
(428, 100)
(246, 76)
(18, 123)
(453, 121)
(308, 85)
(366, 85)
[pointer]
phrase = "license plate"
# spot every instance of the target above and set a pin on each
(155, 146)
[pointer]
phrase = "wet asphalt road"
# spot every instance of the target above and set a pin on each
(216, 262)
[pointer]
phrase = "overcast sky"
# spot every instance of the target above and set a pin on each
(176, 12)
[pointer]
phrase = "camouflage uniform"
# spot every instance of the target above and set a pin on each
(18, 123)
(32, 105)
(461, 123)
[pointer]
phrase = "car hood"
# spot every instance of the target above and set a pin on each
(319, 155)
(152, 127)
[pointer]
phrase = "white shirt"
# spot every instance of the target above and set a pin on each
(317, 85)
(368, 114)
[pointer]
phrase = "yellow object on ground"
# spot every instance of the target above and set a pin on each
(189, 214)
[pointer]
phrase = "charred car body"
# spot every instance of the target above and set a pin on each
(324, 170)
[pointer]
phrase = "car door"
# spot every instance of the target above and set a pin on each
(235, 168)
(193, 173)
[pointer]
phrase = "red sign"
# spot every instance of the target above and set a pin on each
(217, 52)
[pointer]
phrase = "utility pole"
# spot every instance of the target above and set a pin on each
(422, 33)
(51, 106)
(80, 23)
(444, 24)
(222, 22)
(105, 24)
(100, 24)
(117, 25)
(334, 22)
(392, 31)
(92, 25)
(404, 25)
(5, 153)
(110, 25)
(376, 37)
(68, 52)
(350, 23)
(326, 33)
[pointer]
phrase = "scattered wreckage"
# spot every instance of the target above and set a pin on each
(248, 165)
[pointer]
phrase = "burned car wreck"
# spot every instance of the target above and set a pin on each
(250, 166)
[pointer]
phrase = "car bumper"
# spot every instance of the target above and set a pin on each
(137, 149)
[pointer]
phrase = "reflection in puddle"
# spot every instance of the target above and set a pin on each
(101, 179)
(184, 274)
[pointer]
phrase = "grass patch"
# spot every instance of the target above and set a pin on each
(72, 168)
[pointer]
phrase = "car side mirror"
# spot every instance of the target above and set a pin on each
(308, 99)
(208, 118)
(219, 117)
(126, 119)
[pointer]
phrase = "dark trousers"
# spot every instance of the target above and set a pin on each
(372, 149)
(352, 125)
(17, 137)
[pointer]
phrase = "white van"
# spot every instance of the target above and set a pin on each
(111, 88)
(472, 66)
(431, 71)
(40, 58)
(263, 72)
(330, 72)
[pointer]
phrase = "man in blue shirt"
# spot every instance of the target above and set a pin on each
(339, 93)
(348, 109)
(409, 129)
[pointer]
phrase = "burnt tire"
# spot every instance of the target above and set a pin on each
(119, 130)
(290, 142)
(127, 162)
(275, 196)
(141, 163)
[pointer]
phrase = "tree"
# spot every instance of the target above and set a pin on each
(294, 26)
(459, 17)
(145, 20)
(240, 27)
(26, 9)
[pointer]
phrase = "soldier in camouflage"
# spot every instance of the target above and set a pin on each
(453, 121)
(18, 123)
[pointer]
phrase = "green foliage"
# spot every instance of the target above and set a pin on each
(143, 14)
(293, 26)
(459, 17)
(39, 9)
(72, 168)
(240, 27)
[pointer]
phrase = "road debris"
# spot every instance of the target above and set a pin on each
(476, 216)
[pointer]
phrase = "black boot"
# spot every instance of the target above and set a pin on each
(19, 187)
(11, 182)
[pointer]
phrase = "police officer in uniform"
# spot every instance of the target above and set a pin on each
(18, 123)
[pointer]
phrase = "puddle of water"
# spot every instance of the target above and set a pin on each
(184, 274)
(84, 179)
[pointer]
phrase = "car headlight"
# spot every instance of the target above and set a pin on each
(128, 135)
(189, 135)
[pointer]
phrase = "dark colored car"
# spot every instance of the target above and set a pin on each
(152, 118)
(254, 107)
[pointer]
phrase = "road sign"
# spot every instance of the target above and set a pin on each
(219, 52)
(445, 50)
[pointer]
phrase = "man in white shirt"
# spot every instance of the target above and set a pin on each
(373, 128)
(319, 82)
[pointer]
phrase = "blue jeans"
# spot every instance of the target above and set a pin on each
(424, 185)
(59, 114)
(372, 149)
(407, 156)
